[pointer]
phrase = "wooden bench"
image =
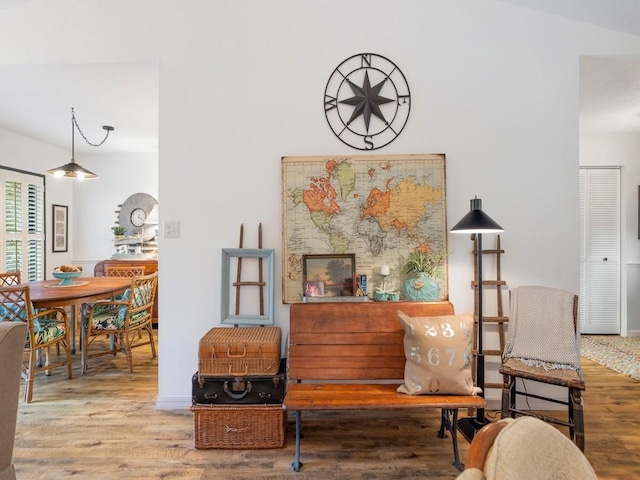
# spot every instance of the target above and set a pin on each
(362, 343)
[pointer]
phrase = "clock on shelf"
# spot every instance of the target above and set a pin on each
(367, 101)
(138, 215)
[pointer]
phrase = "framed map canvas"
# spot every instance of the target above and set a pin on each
(380, 207)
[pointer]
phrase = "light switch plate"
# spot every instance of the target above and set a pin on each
(171, 229)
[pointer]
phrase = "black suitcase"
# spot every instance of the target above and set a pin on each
(247, 390)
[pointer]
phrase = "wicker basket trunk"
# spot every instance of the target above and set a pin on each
(240, 351)
(238, 427)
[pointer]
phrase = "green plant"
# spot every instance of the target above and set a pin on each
(118, 230)
(428, 263)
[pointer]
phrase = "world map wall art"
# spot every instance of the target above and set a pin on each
(378, 207)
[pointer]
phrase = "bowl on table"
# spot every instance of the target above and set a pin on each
(66, 277)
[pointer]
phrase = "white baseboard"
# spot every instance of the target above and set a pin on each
(173, 403)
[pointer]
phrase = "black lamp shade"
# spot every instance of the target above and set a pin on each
(72, 170)
(476, 221)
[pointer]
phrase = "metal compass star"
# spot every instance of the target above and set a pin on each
(366, 101)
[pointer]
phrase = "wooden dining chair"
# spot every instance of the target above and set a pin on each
(46, 328)
(8, 279)
(121, 319)
(123, 271)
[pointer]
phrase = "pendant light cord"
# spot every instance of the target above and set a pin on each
(105, 127)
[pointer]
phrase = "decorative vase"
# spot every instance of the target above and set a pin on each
(421, 288)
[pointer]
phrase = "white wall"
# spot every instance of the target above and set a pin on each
(17, 151)
(96, 201)
(92, 204)
(622, 150)
(494, 87)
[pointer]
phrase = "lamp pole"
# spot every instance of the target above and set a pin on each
(477, 222)
(480, 355)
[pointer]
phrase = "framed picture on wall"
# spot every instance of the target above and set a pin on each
(334, 271)
(60, 225)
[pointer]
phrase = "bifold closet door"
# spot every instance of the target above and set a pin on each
(599, 307)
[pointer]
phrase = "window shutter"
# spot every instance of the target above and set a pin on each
(23, 224)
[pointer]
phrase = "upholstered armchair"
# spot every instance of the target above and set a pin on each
(121, 319)
(12, 335)
(525, 448)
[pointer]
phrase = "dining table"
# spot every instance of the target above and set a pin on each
(50, 293)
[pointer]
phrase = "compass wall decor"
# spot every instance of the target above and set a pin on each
(367, 101)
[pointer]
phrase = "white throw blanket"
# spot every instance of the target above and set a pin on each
(541, 330)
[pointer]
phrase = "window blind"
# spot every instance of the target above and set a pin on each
(22, 234)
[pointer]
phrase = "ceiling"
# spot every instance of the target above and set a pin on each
(36, 100)
(620, 15)
(609, 85)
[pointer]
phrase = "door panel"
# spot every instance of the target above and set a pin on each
(600, 250)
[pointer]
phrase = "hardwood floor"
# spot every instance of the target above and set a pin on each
(104, 425)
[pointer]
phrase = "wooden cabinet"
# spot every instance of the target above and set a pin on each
(150, 266)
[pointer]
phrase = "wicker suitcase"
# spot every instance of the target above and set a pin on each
(249, 390)
(240, 351)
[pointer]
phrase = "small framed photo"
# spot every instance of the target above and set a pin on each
(334, 271)
(314, 289)
(60, 226)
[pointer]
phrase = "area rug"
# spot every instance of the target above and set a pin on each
(621, 354)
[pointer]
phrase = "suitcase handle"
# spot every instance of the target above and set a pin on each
(246, 370)
(236, 396)
(230, 355)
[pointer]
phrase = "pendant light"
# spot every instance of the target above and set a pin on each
(72, 169)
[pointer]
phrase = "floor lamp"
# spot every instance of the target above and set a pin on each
(476, 222)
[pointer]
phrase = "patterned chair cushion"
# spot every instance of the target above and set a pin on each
(110, 319)
(124, 297)
(141, 295)
(46, 330)
(105, 307)
(122, 312)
